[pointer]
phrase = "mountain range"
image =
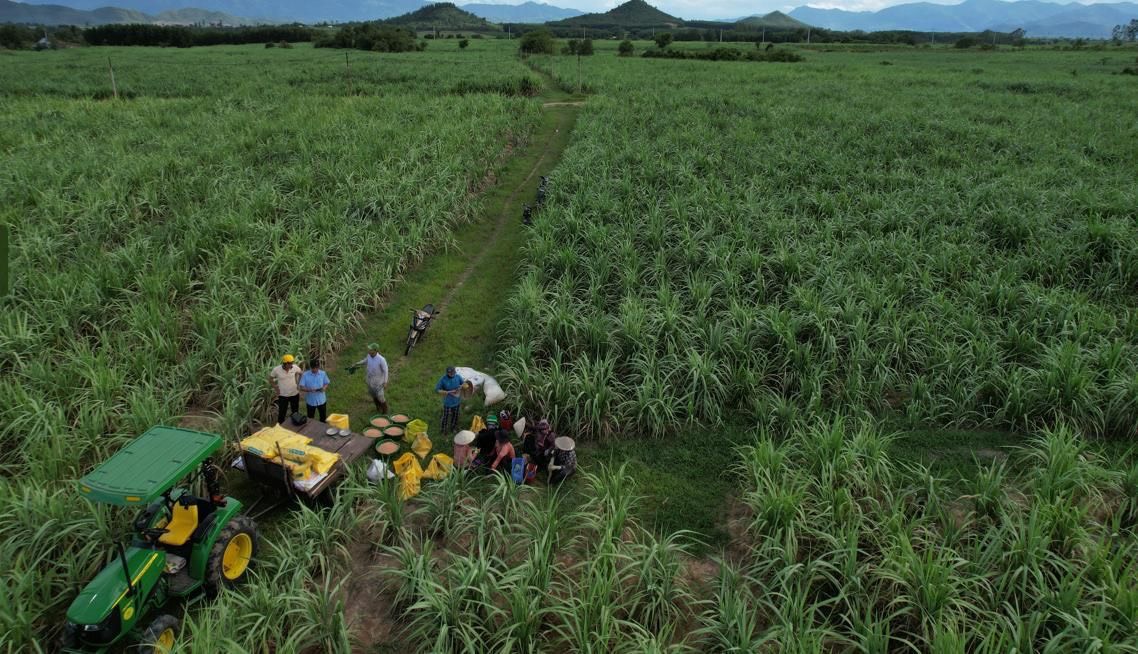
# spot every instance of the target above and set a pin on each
(1034, 17)
(527, 12)
(337, 11)
(50, 14)
(1037, 18)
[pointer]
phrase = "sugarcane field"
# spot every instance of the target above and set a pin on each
(604, 332)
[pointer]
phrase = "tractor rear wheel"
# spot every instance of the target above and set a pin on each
(231, 555)
(159, 637)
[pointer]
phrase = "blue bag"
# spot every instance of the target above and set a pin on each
(518, 470)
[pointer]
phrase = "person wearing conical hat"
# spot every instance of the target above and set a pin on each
(462, 441)
(564, 460)
(284, 379)
(377, 376)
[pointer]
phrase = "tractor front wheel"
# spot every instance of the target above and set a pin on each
(231, 555)
(159, 637)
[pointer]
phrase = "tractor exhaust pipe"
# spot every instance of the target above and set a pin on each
(126, 571)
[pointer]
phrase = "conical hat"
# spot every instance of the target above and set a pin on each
(464, 437)
(564, 443)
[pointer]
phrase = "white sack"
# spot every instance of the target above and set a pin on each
(375, 472)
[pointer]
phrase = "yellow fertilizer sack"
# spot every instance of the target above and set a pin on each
(294, 448)
(409, 484)
(262, 447)
(421, 446)
(322, 460)
(266, 442)
(414, 428)
(405, 463)
(478, 424)
(439, 467)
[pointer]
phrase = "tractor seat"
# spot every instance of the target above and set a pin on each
(181, 526)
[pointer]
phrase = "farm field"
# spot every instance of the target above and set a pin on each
(866, 324)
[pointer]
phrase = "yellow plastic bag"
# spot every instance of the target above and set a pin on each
(409, 484)
(414, 428)
(405, 463)
(478, 424)
(422, 446)
(339, 420)
(439, 467)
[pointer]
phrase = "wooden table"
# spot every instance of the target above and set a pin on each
(350, 448)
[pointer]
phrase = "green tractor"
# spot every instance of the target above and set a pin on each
(181, 542)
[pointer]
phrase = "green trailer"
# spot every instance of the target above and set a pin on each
(187, 537)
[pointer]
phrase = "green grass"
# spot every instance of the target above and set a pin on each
(484, 258)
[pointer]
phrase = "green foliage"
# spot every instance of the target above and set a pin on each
(966, 42)
(626, 48)
(663, 40)
(375, 37)
(726, 54)
(209, 237)
(747, 285)
(463, 44)
(581, 47)
(183, 37)
(538, 41)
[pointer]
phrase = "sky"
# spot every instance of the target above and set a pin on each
(713, 9)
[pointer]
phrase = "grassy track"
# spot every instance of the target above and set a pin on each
(466, 283)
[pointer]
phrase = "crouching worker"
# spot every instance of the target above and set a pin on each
(463, 456)
(538, 445)
(485, 443)
(503, 452)
(564, 461)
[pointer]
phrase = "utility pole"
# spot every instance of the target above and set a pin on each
(579, 46)
(764, 35)
(348, 66)
(807, 36)
(114, 87)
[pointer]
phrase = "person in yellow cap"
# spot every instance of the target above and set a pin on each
(284, 379)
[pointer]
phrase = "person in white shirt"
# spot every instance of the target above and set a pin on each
(377, 375)
(284, 379)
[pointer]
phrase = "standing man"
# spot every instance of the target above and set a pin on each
(376, 376)
(448, 387)
(314, 382)
(284, 379)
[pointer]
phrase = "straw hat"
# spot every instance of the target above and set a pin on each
(564, 443)
(464, 437)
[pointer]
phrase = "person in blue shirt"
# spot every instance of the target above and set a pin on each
(314, 382)
(448, 387)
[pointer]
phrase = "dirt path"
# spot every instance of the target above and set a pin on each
(472, 280)
(509, 214)
(468, 284)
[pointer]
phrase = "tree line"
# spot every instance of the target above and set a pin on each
(19, 37)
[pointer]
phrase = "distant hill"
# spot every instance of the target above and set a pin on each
(1035, 17)
(634, 13)
(308, 11)
(443, 16)
(774, 20)
(527, 12)
(45, 14)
